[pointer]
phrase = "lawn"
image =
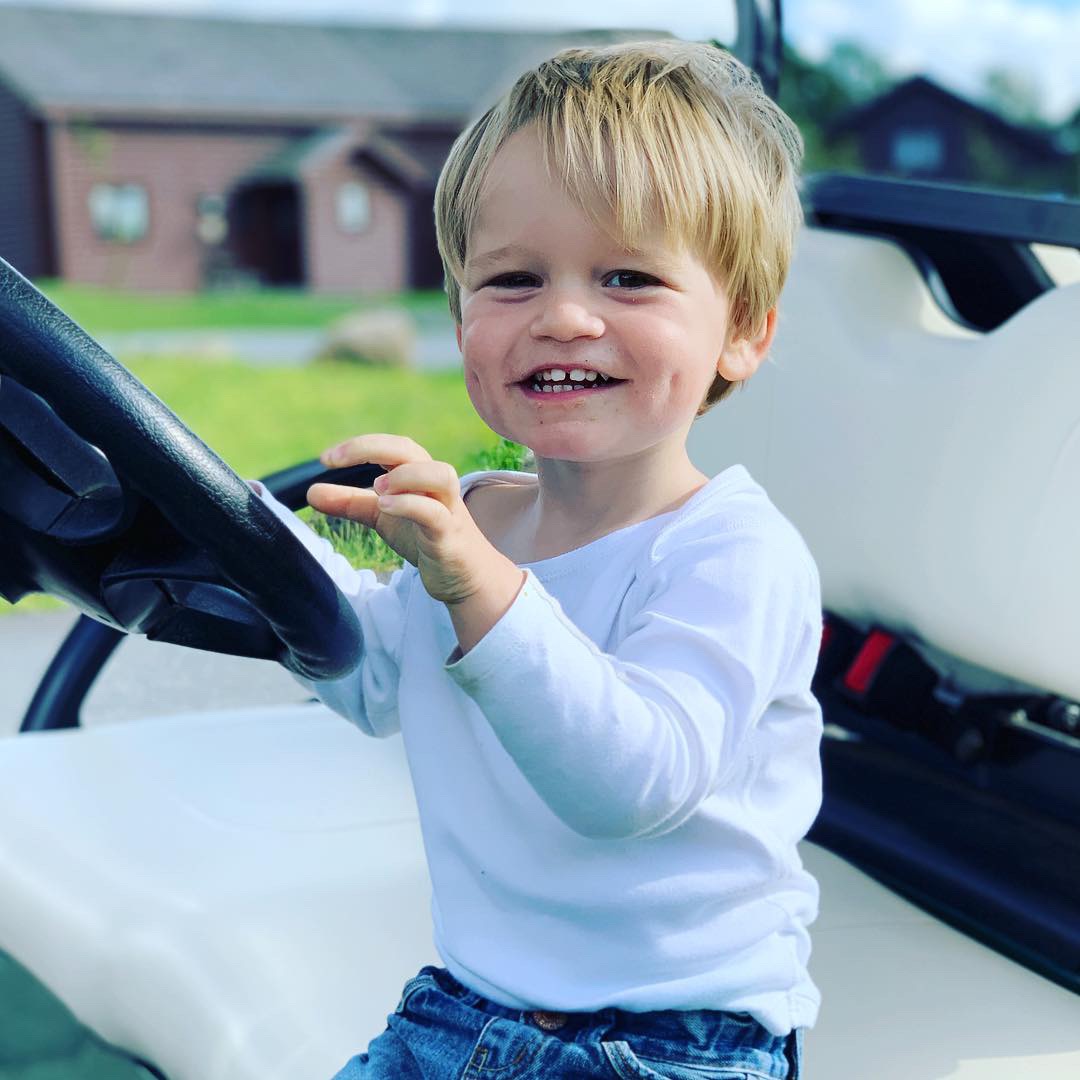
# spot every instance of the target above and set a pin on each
(263, 419)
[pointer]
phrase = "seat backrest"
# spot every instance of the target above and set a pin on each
(934, 471)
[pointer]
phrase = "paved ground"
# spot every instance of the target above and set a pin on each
(141, 678)
(436, 346)
(26, 644)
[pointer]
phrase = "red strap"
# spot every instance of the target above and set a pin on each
(866, 664)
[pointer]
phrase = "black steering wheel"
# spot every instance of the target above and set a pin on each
(108, 500)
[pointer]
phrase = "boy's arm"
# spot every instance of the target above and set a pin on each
(629, 743)
(368, 695)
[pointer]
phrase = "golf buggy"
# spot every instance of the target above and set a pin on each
(241, 894)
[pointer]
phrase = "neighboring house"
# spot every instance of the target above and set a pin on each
(172, 153)
(921, 130)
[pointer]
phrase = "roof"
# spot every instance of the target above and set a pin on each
(413, 158)
(869, 115)
(100, 61)
(299, 153)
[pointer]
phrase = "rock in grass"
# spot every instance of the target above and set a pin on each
(384, 338)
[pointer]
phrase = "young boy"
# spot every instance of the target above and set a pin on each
(601, 672)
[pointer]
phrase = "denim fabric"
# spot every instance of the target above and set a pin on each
(443, 1031)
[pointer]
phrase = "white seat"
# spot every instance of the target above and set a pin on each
(933, 471)
(241, 896)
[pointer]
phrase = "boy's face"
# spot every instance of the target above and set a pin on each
(548, 292)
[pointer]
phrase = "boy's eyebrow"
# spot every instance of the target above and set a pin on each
(493, 256)
(519, 251)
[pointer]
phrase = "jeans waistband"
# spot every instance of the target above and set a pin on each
(572, 1021)
(697, 1033)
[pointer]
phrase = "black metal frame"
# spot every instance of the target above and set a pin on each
(759, 40)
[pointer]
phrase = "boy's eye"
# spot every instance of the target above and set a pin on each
(629, 279)
(516, 280)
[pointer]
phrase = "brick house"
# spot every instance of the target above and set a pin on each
(175, 153)
(919, 129)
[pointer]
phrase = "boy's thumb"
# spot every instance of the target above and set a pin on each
(337, 500)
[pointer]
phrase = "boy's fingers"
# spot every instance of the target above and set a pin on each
(337, 500)
(388, 450)
(429, 514)
(436, 479)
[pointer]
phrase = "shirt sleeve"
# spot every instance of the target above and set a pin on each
(629, 743)
(368, 695)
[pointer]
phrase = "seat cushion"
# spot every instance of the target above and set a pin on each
(932, 470)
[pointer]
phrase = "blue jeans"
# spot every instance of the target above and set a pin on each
(442, 1031)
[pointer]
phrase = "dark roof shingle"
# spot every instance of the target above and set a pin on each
(96, 60)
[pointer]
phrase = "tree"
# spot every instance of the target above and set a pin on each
(815, 95)
(857, 70)
(1013, 95)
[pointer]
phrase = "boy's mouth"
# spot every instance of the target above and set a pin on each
(554, 380)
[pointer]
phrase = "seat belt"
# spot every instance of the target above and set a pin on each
(881, 674)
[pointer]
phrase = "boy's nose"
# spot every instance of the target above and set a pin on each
(566, 318)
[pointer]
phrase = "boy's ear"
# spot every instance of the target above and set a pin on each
(742, 356)
(457, 332)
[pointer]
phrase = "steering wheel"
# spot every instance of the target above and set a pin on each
(108, 500)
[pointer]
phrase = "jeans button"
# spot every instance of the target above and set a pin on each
(549, 1021)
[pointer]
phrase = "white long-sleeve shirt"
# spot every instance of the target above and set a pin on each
(611, 784)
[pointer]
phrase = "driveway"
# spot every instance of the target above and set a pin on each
(142, 678)
(436, 346)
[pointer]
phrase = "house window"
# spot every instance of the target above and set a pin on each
(353, 207)
(918, 150)
(120, 212)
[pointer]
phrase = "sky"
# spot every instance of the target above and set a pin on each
(953, 41)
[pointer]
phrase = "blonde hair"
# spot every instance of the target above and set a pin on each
(643, 132)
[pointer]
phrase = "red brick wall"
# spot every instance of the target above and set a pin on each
(175, 167)
(375, 260)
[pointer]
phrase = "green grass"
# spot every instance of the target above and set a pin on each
(264, 419)
(364, 547)
(103, 311)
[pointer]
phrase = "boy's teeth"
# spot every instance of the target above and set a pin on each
(576, 375)
(559, 381)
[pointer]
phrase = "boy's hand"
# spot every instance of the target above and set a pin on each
(417, 509)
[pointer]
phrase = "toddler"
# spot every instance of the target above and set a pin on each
(601, 671)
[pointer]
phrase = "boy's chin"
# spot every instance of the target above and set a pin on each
(579, 452)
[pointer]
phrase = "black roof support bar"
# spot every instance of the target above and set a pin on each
(1031, 219)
